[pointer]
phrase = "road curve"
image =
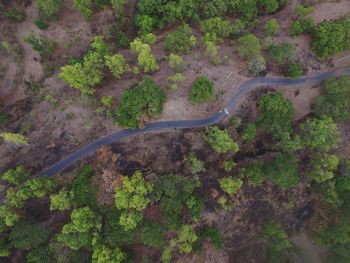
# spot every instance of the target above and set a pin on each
(242, 90)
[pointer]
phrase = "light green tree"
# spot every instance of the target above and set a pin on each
(145, 58)
(220, 140)
(271, 27)
(104, 254)
(194, 163)
(61, 201)
(177, 63)
(323, 167)
(248, 46)
(117, 65)
(186, 239)
(14, 138)
(15, 176)
(230, 185)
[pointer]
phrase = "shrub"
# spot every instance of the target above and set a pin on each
(220, 140)
(152, 234)
(202, 90)
(104, 254)
(235, 122)
(14, 138)
(83, 192)
(145, 58)
(269, 6)
(271, 27)
(177, 63)
(230, 185)
(319, 134)
(330, 37)
(247, 9)
(181, 40)
(216, 26)
(42, 45)
(194, 163)
(214, 8)
(237, 28)
(149, 38)
(283, 53)
(254, 173)
(174, 80)
(49, 8)
(117, 65)
(84, 8)
(41, 24)
(39, 255)
(275, 235)
(186, 238)
(295, 70)
(335, 98)
(301, 26)
(208, 233)
(211, 52)
(275, 113)
(15, 14)
(107, 101)
(303, 11)
(257, 66)
(146, 100)
(248, 46)
(248, 133)
(229, 165)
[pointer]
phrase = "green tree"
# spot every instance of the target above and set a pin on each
(41, 254)
(117, 65)
(9, 215)
(230, 185)
(152, 234)
(283, 53)
(247, 9)
(132, 198)
(145, 58)
(104, 254)
(61, 201)
(202, 90)
(323, 167)
(84, 8)
(26, 236)
(248, 132)
(177, 63)
(49, 8)
(186, 239)
(228, 165)
(84, 194)
(220, 140)
(149, 38)
(335, 98)
(295, 70)
(145, 100)
(194, 163)
(248, 46)
(217, 26)
(257, 65)
(41, 44)
(276, 237)
(319, 134)
(15, 176)
(180, 41)
(303, 11)
(214, 8)
(330, 37)
(282, 171)
(301, 26)
(271, 27)
(275, 113)
(254, 172)
(269, 6)
(14, 138)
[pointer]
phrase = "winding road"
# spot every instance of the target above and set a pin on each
(186, 124)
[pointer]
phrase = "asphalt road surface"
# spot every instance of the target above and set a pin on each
(187, 124)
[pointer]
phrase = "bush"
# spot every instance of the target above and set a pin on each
(254, 173)
(42, 45)
(275, 113)
(14, 138)
(230, 185)
(145, 58)
(39, 255)
(247, 9)
(208, 233)
(229, 165)
(194, 163)
(49, 8)
(15, 176)
(301, 26)
(61, 201)
(220, 140)
(15, 14)
(257, 66)
(248, 46)
(303, 11)
(83, 192)
(181, 40)
(276, 237)
(202, 90)
(84, 8)
(152, 234)
(186, 238)
(323, 167)
(271, 27)
(26, 236)
(146, 100)
(335, 98)
(117, 65)
(41, 24)
(211, 52)
(214, 8)
(177, 63)
(248, 133)
(319, 134)
(331, 37)
(102, 254)
(149, 38)
(217, 26)
(269, 6)
(237, 28)
(295, 70)
(283, 53)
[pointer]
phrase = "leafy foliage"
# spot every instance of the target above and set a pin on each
(104, 254)
(248, 46)
(271, 27)
(304, 10)
(145, 100)
(335, 98)
(177, 63)
(152, 234)
(202, 90)
(220, 140)
(39, 255)
(295, 70)
(283, 53)
(84, 193)
(15, 176)
(276, 237)
(61, 201)
(319, 134)
(217, 26)
(254, 172)
(194, 163)
(230, 185)
(132, 198)
(181, 40)
(41, 44)
(14, 138)
(49, 8)
(208, 233)
(117, 65)
(25, 235)
(275, 113)
(323, 167)
(282, 171)
(331, 37)
(84, 8)
(301, 26)
(248, 132)
(145, 58)
(229, 165)
(186, 239)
